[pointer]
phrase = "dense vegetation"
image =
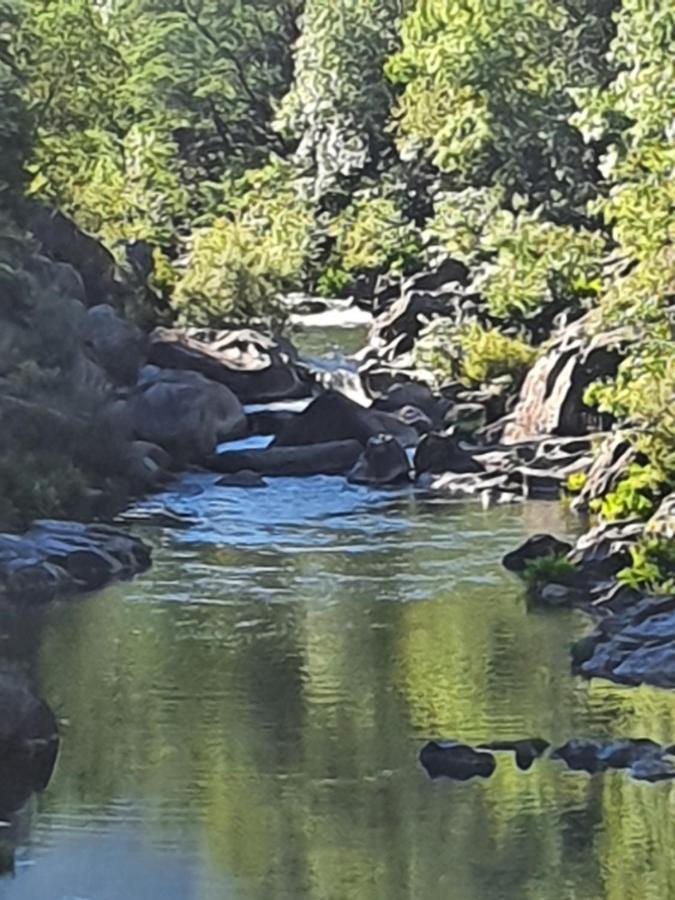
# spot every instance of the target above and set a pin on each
(261, 146)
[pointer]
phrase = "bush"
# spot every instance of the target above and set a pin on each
(636, 496)
(652, 567)
(259, 246)
(472, 354)
(371, 234)
(549, 570)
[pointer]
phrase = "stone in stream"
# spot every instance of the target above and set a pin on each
(443, 452)
(634, 646)
(333, 417)
(383, 462)
(539, 546)
(526, 751)
(29, 743)
(644, 757)
(451, 759)
(246, 478)
(331, 458)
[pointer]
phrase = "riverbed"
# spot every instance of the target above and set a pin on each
(243, 721)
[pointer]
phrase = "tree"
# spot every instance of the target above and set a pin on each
(337, 108)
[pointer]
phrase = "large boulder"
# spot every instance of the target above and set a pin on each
(443, 452)
(257, 368)
(26, 722)
(539, 546)
(61, 240)
(117, 345)
(330, 458)
(184, 413)
(334, 417)
(552, 396)
(383, 462)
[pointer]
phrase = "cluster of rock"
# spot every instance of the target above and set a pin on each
(644, 759)
(634, 641)
(55, 559)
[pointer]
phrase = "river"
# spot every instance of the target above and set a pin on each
(243, 721)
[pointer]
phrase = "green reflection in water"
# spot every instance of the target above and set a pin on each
(253, 715)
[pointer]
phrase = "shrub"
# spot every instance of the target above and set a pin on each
(471, 353)
(549, 569)
(652, 567)
(636, 496)
(371, 234)
(259, 246)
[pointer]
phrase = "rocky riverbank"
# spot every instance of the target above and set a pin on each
(148, 405)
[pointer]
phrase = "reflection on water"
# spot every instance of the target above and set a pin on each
(244, 720)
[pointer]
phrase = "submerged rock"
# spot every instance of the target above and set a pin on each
(526, 751)
(451, 759)
(581, 755)
(245, 478)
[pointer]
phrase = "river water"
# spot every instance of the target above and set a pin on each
(244, 720)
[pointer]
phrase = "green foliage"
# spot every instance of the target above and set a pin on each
(38, 484)
(372, 235)
(472, 354)
(337, 108)
(538, 263)
(652, 567)
(635, 496)
(576, 482)
(549, 570)
(486, 92)
(489, 354)
(15, 122)
(239, 264)
(333, 282)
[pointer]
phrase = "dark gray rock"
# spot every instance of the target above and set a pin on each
(334, 417)
(634, 646)
(451, 759)
(116, 345)
(383, 462)
(444, 452)
(258, 369)
(54, 559)
(581, 755)
(604, 550)
(184, 413)
(330, 458)
(551, 398)
(245, 478)
(609, 466)
(539, 546)
(525, 751)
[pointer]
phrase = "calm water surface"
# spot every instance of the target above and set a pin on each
(244, 720)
